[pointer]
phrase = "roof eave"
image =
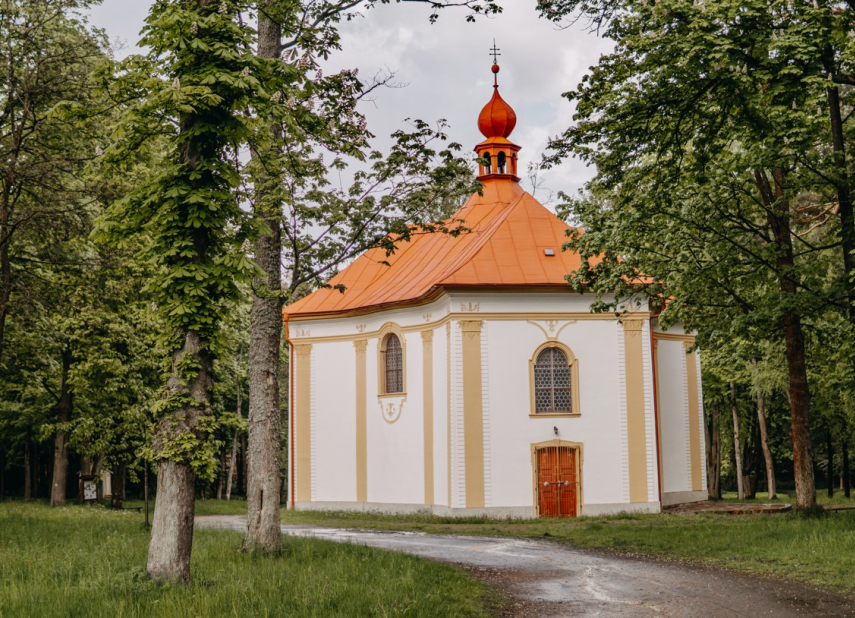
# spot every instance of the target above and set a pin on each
(430, 296)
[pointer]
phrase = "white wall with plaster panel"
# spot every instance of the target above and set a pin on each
(395, 464)
(334, 421)
(673, 416)
(396, 450)
(313, 409)
(701, 423)
(458, 451)
(485, 412)
(623, 453)
(513, 430)
(440, 416)
(649, 416)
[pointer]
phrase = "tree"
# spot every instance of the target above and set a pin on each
(708, 128)
(193, 86)
(321, 228)
(47, 132)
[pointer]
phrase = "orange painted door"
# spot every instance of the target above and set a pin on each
(556, 481)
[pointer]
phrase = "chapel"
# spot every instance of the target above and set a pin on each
(462, 375)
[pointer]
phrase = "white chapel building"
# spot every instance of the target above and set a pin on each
(466, 377)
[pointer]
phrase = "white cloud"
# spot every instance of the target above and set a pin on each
(446, 69)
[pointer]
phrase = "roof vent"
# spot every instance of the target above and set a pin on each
(549, 252)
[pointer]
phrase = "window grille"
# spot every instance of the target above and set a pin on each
(394, 365)
(552, 382)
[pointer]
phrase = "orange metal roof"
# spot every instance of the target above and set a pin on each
(509, 232)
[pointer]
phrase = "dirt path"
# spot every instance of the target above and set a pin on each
(549, 580)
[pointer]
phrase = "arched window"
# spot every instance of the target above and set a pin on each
(553, 383)
(488, 163)
(394, 365)
(502, 158)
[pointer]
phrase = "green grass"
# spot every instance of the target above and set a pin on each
(203, 507)
(89, 562)
(815, 550)
(790, 498)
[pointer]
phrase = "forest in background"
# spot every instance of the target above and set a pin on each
(157, 212)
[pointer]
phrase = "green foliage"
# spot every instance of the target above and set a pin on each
(75, 311)
(698, 103)
(193, 86)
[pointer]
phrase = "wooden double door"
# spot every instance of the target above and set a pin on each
(557, 481)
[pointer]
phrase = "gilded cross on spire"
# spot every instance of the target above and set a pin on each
(495, 53)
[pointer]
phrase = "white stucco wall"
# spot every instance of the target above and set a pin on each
(334, 422)
(676, 424)
(513, 430)
(440, 416)
(395, 451)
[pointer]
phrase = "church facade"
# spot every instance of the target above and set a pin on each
(466, 378)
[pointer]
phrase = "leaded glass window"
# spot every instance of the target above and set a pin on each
(552, 383)
(394, 359)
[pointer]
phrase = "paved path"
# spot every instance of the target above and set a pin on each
(549, 580)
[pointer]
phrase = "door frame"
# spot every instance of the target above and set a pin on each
(578, 447)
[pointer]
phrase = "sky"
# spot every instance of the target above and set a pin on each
(444, 71)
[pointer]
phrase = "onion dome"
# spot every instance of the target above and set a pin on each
(497, 119)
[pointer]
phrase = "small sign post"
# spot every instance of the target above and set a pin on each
(88, 489)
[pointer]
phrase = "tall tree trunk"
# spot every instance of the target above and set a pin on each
(847, 478)
(38, 473)
(28, 472)
(844, 196)
(172, 525)
(713, 444)
(737, 449)
(751, 462)
(764, 442)
(264, 435)
(5, 262)
(778, 216)
(59, 483)
(233, 458)
(145, 492)
(117, 499)
(829, 470)
(221, 475)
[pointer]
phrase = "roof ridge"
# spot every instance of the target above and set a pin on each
(495, 225)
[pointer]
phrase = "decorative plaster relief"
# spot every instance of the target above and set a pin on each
(470, 308)
(550, 329)
(391, 408)
(471, 328)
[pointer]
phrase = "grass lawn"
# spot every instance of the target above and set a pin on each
(814, 550)
(203, 507)
(90, 562)
(789, 497)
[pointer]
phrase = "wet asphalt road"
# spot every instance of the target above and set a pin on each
(550, 580)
